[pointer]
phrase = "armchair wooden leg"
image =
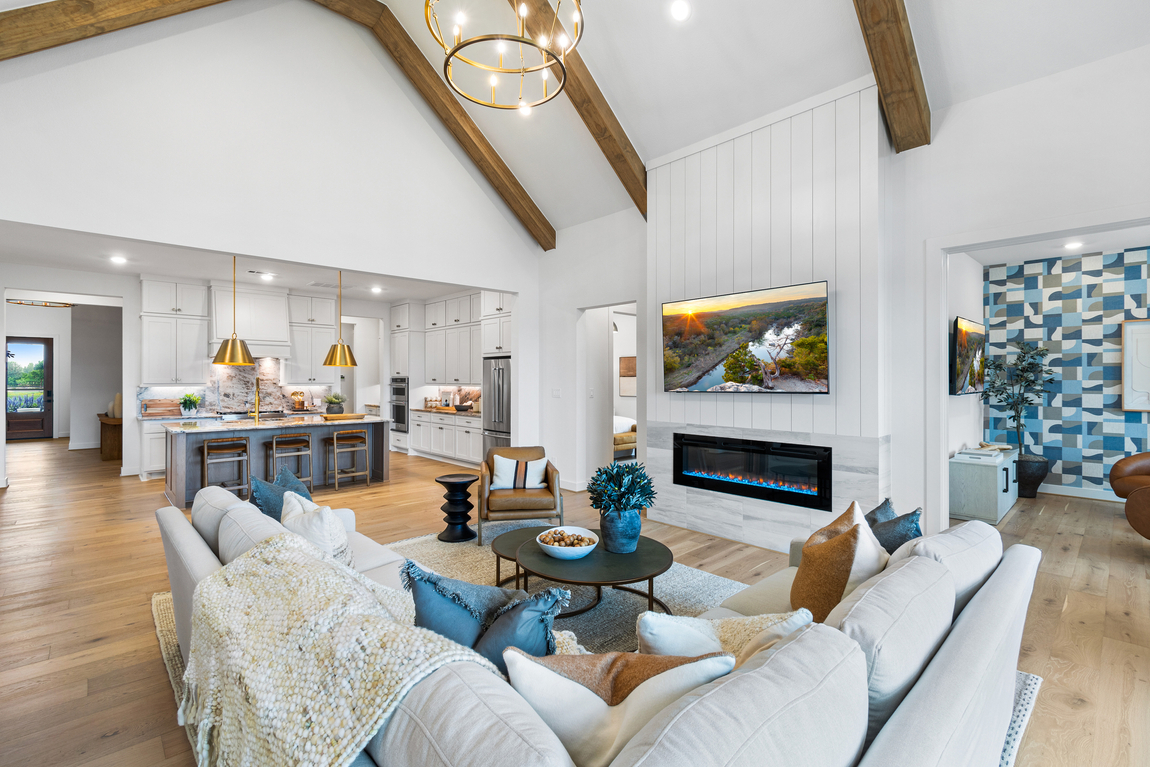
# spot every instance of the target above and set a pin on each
(479, 537)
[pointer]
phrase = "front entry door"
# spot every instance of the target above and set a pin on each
(29, 388)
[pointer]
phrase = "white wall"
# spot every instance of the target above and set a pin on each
(97, 369)
(368, 331)
(599, 263)
(270, 128)
(623, 344)
(1064, 151)
(42, 322)
(964, 291)
(592, 393)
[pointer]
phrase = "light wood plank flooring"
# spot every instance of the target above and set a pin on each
(82, 683)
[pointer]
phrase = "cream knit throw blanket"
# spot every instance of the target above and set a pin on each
(298, 660)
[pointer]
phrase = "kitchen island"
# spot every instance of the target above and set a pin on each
(184, 458)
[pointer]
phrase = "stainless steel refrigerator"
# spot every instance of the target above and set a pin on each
(496, 402)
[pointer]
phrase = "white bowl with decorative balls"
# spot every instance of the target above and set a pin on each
(567, 542)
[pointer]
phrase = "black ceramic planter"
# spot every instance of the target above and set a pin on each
(1031, 470)
(620, 530)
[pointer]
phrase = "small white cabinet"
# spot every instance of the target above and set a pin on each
(174, 350)
(983, 484)
(495, 304)
(437, 357)
(153, 448)
(163, 297)
(458, 353)
(314, 310)
(458, 310)
(468, 440)
(436, 316)
(309, 347)
(400, 354)
(401, 317)
(496, 335)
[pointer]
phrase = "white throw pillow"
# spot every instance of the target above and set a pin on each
(581, 713)
(318, 525)
(510, 474)
(744, 636)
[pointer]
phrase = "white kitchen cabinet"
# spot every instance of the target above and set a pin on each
(174, 350)
(401, 317)
(476, 307)
(191, 350)
(162, 297)
(420, 436)
(469, 440)
(400, 354)
(309, 346)
(261, 319)
(458, 354)
(476, 355)
(458, 310)
(436, 357)
(496, 335)
(442, 439)
(505, 335)
(191, 300)
(494, 304)
(155, 449)
(436, 315)
(398, 441)
(311, 310)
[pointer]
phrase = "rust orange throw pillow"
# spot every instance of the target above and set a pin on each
(836, 560)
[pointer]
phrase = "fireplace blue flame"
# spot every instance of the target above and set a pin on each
(756, 482)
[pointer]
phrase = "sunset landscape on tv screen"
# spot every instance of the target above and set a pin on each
(770, 341)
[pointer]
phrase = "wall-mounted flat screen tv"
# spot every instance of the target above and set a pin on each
(768, 341)
(967, 357)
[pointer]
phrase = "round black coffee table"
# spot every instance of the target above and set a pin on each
(506, 546)
(600, 568)
(457, 508)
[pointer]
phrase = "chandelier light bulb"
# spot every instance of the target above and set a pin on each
(494, 81)
(576, 17)
(456, 30)
(524, 108)
(563, 41)
(543, 41)
(680, 10)
(544, 73)
(460, 18)
(523, 10)
(502, 47)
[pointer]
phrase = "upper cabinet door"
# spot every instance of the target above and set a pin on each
(321, 340)
(297, 368)
(158, 297)
(400, 345)
(267, 317)
(505, 334)
(491, 303)
(490, 330)
(401, 317)
(476, 355)
(456, 312)
(158, 345)
(299, 309)
(476, 306)
(192, 300)
(436, 316)
(453, 372)
(436, 357)
(191, 350)
(322, 311)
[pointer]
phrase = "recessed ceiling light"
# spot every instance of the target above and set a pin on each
(118, 260)
(680, 10)
(377, 290)
(1072, 245)
(266, 276)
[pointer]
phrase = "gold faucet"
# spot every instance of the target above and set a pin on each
(257, 413)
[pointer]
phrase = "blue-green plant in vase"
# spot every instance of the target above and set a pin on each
(619, 491)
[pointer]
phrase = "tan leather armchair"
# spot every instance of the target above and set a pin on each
(502, 505)
(1130, 479)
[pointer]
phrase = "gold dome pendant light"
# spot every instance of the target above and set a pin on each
(339, 355)
(233, 351)
(485, 56)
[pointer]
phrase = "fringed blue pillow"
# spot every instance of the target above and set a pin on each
(487, 619)
(269, 496)
(884, 512)
(895, 532)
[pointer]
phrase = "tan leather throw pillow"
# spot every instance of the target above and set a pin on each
(836, 560)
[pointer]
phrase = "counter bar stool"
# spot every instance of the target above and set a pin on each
(350, 441)
(228, 450)
(288, 446)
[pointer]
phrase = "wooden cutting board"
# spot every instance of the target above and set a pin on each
(161, 407)
(344, 416)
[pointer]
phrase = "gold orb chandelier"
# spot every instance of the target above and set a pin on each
(496, 61)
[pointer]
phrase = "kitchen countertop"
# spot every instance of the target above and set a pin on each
(196, 417)
(189, 426)
(465, 414)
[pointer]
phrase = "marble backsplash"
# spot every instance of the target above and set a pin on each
(232, 389)
(461, 395)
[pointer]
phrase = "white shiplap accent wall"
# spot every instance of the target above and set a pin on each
(794, 201)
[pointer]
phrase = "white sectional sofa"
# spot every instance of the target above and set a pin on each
(889, 679)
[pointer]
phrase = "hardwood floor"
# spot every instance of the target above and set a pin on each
(82, 683)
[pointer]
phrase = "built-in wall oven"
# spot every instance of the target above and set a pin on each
(398, 402)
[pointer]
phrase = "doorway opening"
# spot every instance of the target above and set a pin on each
(624, 381)
(29, 387)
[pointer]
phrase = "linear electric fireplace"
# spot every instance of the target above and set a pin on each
(774, 471)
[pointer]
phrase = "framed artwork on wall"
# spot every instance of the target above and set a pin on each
(627, 379)
(1136, 365)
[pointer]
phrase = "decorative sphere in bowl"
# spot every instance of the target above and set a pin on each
(567, 542)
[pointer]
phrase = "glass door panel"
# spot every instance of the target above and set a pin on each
(28, 386)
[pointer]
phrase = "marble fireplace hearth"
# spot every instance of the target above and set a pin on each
(860, 471)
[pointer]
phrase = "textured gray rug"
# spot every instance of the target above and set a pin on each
(608, 627)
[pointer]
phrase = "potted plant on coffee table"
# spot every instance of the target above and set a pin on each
(619, 491)
(188, 405)
(335, 403)
(1014, 385)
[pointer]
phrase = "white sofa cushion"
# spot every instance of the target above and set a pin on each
(244, 527)
(368, 554)
(208, 509)
(900, 618)
(802, 702)
(971, 551)
(741, 635)
(770, 595)
(319, 525)
(464, 716)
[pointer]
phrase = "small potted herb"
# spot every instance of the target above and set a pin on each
(1014, 385)
(335, 403)
(189, 403)
(619, 491)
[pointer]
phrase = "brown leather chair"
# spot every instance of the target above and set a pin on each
(1130, 479)
(502, 505)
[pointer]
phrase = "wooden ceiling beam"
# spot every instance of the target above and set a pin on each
(890, 45)
(592, 106)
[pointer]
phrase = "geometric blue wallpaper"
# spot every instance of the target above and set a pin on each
(1075, 308)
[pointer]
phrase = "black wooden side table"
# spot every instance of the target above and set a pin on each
(458, 507)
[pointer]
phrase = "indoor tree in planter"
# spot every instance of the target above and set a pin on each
(619, 491)
(335, 402)
(1014, 385)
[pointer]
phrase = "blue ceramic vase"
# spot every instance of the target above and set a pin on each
(620, 530)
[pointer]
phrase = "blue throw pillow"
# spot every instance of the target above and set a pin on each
(269, 496)
(487, 619)
(884, 512)
(895, 532)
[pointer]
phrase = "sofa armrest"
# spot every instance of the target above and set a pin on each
(189, 560)
(552, 479)
(797, 550)
(347, 516)
(484, 488)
